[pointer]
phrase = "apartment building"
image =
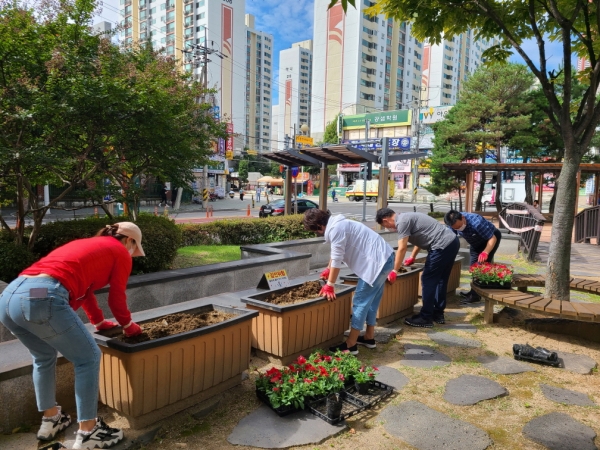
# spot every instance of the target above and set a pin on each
(295, 79)
(361, 64)
(275, 128)
(447, 65)
(259, 76)
(185, 24)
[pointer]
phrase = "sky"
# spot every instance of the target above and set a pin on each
(292, 21)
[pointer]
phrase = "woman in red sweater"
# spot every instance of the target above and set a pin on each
(39, 309)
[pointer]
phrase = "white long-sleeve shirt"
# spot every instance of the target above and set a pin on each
(353, 243)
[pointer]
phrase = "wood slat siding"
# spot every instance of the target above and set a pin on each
(142, 382)
(453, 280)
(289, 332)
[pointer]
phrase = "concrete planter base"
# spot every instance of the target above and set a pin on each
(287, 331)
(398, 299)
(149, 381)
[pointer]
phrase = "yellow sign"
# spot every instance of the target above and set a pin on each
(277, 279)
(229, 154)
(252, 152)
(304, 140)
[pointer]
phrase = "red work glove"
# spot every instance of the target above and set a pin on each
(392, 277)
(328, 292)
(409, 261)
(133, 329)
(325, 274)
(483, 256)
(105, 325)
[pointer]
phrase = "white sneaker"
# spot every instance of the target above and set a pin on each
(102, 436)
(50, 427)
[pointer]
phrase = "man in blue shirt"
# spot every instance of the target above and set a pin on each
(483, 237)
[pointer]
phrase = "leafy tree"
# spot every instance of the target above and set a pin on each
(574, 23)
(331, 132)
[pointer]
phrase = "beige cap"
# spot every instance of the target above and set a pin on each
(131, 230)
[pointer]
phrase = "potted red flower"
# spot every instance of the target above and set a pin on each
(491, 275)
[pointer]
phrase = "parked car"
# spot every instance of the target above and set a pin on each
(277, 207)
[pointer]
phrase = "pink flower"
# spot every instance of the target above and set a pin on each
(275, 389)
(301, 360)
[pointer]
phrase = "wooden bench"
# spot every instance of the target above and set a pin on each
(536, 302)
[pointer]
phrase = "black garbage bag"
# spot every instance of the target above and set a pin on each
(537, 354)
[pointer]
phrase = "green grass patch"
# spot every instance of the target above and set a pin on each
(200, 255)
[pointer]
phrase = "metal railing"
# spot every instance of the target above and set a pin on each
(527, 222)
(587, 225)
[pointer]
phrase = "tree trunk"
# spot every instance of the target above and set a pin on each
(460, 206)
(528, 191)
(558, 268)
(20, 228)
(553, 199)
(478, 205)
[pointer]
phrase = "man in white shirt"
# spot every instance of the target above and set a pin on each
(369, 257)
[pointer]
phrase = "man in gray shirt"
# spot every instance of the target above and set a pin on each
(442, 246)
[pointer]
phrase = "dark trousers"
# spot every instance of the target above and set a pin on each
(474, 254)
(434, 280)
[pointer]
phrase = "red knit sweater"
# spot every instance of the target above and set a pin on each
(86, 265)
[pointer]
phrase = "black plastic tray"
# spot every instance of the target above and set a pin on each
(282, 411)
(545, 362)
(350, 407)
(377, 392)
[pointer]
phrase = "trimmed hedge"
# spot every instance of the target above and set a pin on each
(13, 259)
(245, 231)
(161, 238)
(436, 214)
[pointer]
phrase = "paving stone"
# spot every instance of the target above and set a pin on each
(423, 357)
(450, 340)
(504, 365)
(265, 429)
(392, 377)
(466, 327)
(559, 431)
(383, 335)
(18, 441)
(559, 395)
(472, 389)
(572, 362)
(427, 429)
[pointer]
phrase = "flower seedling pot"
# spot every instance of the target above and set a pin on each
(334, 406)
(362, 388)
(398, 299)
(151, 380)
(492, 285)
(453, 281)
(283, 332)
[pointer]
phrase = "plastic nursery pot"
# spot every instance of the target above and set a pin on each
(362, 388)
(334, 406)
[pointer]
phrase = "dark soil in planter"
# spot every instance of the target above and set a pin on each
(302, 293)
(175, 324)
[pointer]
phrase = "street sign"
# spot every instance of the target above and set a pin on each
(295, 171)
(252, 152)
(396, 143)
(304, 140)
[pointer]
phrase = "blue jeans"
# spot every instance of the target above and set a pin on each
(46, 324)
(366, 298)
(434, 280)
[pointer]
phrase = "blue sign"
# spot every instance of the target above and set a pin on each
(215, 111)
(295, 171)
(396, 143)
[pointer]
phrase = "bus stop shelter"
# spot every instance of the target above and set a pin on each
(541, 168)
(338, 154)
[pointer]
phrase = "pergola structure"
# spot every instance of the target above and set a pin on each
(541, 168)
(338, 154)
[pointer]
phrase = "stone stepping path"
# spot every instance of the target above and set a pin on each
(577, 363)
(423, 357)
(559, 431)
(466, 327)
(566, 396)
(504, 365)
(427, 429)
(383, 335)
(392, 377)
(265, 429)
(471, 389)
(450, 340)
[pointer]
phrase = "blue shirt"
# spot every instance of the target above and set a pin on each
(478, 230)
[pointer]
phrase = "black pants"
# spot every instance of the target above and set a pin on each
(474, 253)
(434, 280)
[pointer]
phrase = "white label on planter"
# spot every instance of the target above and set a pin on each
(277, 279)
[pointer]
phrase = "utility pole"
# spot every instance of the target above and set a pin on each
(367, 133)
(415, 171)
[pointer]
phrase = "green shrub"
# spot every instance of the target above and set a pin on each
(161, 238)
(245, 231)
(13, 259)
(436, 214)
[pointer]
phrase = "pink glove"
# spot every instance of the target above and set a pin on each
(133, 329)
(328, 292)
(483, 256)
(105, 325)
(392, 277)
(325, 274)
(409, 261)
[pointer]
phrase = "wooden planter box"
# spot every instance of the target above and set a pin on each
(398, 299)
(453, 281)
(282, 333)
(152, 380)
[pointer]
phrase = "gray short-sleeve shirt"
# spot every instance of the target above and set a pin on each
(423, 231)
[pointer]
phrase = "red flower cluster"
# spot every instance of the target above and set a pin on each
(491, 273)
